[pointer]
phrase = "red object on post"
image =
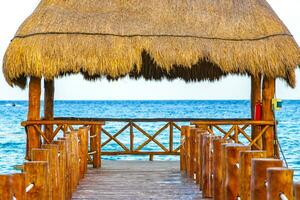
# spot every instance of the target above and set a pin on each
(257, 111)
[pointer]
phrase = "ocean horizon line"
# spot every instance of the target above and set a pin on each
(116, 100)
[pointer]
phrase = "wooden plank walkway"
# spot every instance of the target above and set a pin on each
(137, 180)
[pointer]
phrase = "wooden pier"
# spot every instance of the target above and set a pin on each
(214, 163)
(137, 180)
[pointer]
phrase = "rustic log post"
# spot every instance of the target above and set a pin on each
(192, 153)
(245, 171)
(232, 157)
(95, 138)
(54, 171)
(33, 137)
(6, 187)
(188, 151)
(74, 160)
(62, 160)
(44, 155)
(18, 186)
(37, 176)
(68, 172)
(217, 167)
(259, 176)
(151, 157)
(279, 182)
(48, 105)
(83, 150)
(297, 190)
(183, 152)
(255, 98)
(223, 167)
(207, 165)
(268, 114)
(203, 131)
(197, 156)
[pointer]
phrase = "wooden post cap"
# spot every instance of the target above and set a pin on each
(245, 171)
(279, 183)
(259, 176)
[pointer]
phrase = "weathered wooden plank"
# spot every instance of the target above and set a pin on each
(137, 180)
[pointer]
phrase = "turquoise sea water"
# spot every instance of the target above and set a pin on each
(12, 135)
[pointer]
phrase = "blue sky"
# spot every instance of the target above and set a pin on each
(13, 12)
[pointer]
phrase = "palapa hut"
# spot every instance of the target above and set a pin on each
(192, 40)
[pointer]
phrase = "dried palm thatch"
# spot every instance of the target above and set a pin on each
(154, 39)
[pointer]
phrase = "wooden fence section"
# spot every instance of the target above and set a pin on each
(64, 126)
(54, 171)
(239, 130)
(226, 170)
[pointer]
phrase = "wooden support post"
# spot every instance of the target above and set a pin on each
(268, 114)
(197, 156)
(18, 186)
(245, 171)
(183, 149)
(207, 165)
(151, 157)
(255, 98)
(96, 145)
(48, 105)
(62, 160)
(259, 176)
(297, 190)
(33, 137)
(192, 153)
(74, 160)
(217, 167)
(53, 166)
(203, 132)
(37, 174)
(279, 182)
(171, 136)
(68, 171)
(231, 179)
(188, 152)
(223, 167)
(131, 136)
(44, 155)
(5, 187)
(83, 150)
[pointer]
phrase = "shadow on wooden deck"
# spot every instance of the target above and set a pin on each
(137, 180)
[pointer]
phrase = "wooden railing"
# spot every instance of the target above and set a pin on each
(235, 128)
(223, 169)
(60, 127)
(54, 170)
(239, 130)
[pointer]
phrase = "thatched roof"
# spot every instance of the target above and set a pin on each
(188, 39)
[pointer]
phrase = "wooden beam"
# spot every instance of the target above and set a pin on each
(255, 98)
(268, 113)
(255, 93)
(48, 105)
(33, 137)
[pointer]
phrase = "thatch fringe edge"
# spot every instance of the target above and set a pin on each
(54, 55)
